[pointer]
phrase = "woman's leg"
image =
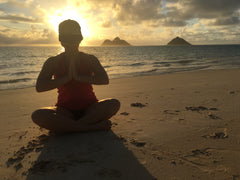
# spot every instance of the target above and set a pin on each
(62, 120)
(100, 111)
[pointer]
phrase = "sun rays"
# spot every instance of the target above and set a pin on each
(69, 13)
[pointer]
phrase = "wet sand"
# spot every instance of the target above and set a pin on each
(172, 126)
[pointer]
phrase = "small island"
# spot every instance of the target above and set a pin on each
(116, 42)
(178, 42)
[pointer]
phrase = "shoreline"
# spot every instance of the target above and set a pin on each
(146, 75)
(181, 125)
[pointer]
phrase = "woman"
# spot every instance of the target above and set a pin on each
(73, 73)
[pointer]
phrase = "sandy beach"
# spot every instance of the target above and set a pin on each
(172, 126)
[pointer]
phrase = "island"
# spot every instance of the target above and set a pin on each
(116, 42)
(178, 42)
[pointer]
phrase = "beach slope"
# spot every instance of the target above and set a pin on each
(171, 126)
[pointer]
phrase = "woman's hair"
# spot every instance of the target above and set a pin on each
(69, 31)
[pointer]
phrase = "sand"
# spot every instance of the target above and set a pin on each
(171, 126)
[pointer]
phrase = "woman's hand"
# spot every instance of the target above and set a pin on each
(75, 74)
(72, 72)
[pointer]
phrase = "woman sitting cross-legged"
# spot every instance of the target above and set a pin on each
(73, 73)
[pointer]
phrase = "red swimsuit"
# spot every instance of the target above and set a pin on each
(75, 95)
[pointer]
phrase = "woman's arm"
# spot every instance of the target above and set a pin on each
(45, 81)
(99, 76)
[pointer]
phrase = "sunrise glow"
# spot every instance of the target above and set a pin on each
(69, 13)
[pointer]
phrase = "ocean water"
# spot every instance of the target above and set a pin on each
(19, 66)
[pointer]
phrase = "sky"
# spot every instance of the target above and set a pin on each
(140, 22)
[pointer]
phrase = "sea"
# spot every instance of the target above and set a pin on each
(20, 66)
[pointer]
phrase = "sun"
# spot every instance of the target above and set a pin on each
(69, 13)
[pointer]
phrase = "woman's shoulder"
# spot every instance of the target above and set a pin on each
(53, 60)
(88, 57)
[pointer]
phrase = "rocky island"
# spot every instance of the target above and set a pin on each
(116, 42)
(178, 42)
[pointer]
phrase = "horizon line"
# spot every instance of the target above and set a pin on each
(56, 45)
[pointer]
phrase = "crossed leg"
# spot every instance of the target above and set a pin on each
(60, 119)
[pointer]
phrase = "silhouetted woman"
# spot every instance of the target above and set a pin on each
(73, 73)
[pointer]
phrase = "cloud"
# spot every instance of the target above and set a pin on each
(33, 35)
(106, 24)
(21, 11)
(211, 9)
(15, 6)
(17, 19)
(135, 12)
(201, 34)
(226, 21)
(203, 9)
(126, 12)
(20, 18)
(169, 13)
(150, 21)
(170, 22)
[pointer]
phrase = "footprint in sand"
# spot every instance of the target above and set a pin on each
(18, 156)
(202, 108)
(49, 166)
(121, 138)
(114, 124)
(199, 157)
(18, 166)
(236, 177)
(212, 116)
(138, 143)
(199, 108)
(220, 133)
(113, 173)
(232, 92)
(172, 112)
(137, 104)
(124, 113)
(197, 152)
(157, 156)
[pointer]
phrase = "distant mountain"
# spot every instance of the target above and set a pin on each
(116, 42)
(178, 41)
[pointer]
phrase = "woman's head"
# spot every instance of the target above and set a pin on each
(69, 32)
